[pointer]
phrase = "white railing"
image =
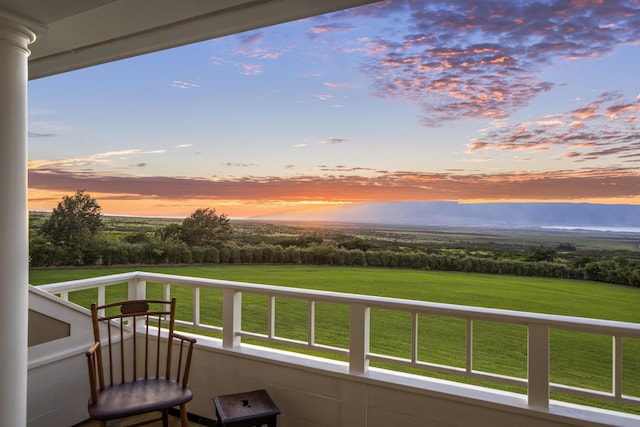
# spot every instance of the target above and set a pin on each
(358, 354)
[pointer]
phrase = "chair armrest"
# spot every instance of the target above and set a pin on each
(184, 338)
(187, 363)
(92, 365)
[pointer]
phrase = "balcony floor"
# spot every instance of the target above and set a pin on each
(173, 422)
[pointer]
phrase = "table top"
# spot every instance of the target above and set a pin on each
(248, 405)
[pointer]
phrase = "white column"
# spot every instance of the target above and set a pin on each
(14, 267)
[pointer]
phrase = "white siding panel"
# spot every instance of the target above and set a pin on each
(58, 393)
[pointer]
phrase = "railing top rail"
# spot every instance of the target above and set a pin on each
(80, 284)
(608, 327)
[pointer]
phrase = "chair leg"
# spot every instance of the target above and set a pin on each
(165, 418)
(184, 420)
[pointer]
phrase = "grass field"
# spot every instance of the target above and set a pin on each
(582, 360)
(543, 295)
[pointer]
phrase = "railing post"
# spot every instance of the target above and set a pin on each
(359, 338)
(231, 317)
(137, 289)
(538, 365)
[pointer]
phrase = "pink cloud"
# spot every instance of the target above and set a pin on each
(330, 28)
(334, 85)
(252, 69)
(490, 54)
(605, 126)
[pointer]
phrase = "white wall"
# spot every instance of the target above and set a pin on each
(314, 392)
(57, 381)
(58, 393)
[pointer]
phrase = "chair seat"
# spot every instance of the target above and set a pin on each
(138, 397)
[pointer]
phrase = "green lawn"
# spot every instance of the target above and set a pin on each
(582, 360)
(543, 295)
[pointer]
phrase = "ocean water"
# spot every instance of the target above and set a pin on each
(611, 229)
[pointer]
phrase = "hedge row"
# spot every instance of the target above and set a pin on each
(176, 252)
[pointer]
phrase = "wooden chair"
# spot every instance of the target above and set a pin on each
(138, 369)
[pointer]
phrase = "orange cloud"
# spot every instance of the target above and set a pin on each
(248, 196)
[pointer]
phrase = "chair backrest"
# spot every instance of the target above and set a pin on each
(132, 348)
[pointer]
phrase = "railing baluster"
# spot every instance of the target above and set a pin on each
(538, 364)
(359, 328)
(101, 299)
(166, 291)
(195, 311)
(414, 337)
(469, 346)
(311, 323)
(271, 319)
(617, 366)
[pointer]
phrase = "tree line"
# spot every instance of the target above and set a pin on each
(73, 236)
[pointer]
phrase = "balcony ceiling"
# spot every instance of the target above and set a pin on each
(73, 34)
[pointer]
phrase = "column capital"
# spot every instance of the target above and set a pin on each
(19, 30)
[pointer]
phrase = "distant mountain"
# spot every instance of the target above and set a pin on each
(570, 215)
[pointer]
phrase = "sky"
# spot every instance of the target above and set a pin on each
(468, 101)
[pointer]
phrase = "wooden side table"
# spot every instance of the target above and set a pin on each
(250, 409)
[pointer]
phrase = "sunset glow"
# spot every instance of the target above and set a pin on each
(397, 101)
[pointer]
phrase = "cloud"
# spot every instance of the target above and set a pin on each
(45, 129)
(250, 45)
(602, 128)
(331, 28)
(184, 84)
(184, 145)
(240, 165)
(333, 141)
(41, 135)
(483, 59)
(251, 38)
(559, 185)
(251, 69)
(85, 161)
(338, 85)
(341, 169)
